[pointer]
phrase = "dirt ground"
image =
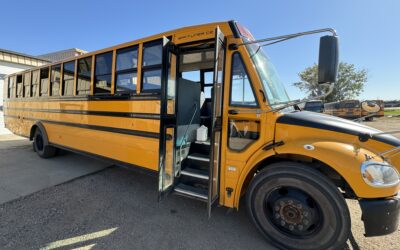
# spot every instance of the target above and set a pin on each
(385, 124)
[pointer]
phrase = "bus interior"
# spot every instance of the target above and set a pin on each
(194, 109)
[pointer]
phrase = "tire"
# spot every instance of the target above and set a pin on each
(41, 145)
(296, 207)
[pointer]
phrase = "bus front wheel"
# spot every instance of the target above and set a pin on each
(41, 145)
(296, 207)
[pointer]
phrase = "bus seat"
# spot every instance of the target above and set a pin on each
(188, 98)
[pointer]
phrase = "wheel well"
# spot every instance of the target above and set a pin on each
(325, 169)
(32, 133)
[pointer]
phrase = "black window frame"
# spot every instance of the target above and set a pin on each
(250, 81)
(17, 77)
(8, 87)
(74, 62)
(79, 75)
(151, 67)
(95, 75)
(126, 71)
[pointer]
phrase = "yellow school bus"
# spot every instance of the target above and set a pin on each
(349, 109)
(140, 104)
(354, 109)
(372, 108)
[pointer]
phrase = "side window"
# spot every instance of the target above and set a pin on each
(27, 84)
(35, 83)
(126, 70)
(84, 76)
(151, 67)
(44, 82)
(55, 79)
(68, 78)
(241, 91)
(103, 69)
(20, 88)
(242, 133)
(11, 87)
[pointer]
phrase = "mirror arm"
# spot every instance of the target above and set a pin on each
(285, 37)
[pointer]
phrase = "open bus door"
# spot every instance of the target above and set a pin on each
(167, 162)
(216, 125)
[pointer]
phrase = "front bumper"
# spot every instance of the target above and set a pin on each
(380, 216)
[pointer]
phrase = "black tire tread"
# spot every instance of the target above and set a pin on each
(48, 151)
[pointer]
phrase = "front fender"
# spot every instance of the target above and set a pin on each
(343, 158)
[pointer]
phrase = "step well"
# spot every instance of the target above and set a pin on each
(191, 192)
(195, 173)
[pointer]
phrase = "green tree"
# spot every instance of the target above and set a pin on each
(350, 82)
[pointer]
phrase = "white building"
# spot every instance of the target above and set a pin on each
(11, 62)
(62, 54)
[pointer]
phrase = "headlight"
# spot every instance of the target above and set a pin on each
(379, 174)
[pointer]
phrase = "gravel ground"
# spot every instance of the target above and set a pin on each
(118, 209)
(385, 124)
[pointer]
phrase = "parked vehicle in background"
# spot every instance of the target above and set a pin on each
(372, 108)
(314, 106)
(354, 109)
(349, 109)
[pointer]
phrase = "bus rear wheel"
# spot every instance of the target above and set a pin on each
(296, 207)
(41, 146)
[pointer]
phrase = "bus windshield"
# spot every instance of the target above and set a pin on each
(273, 86)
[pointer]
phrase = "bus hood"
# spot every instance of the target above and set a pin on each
(335, 124)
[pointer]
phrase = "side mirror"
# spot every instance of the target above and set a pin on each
(328, 59)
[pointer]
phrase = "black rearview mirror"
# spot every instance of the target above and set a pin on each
(328, 59)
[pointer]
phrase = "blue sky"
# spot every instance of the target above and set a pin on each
(368, 30)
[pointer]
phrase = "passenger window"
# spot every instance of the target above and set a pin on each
(55, 80)
(151, 67)
(242, 133)
(20, 89)
(103, 73)
(84, 76)
(35, 83)
(27, 84)
(241, 91)
(152, 54)
(68, 78)
(126, 70)
(44, 82)
(193, 76)
(11, 87)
